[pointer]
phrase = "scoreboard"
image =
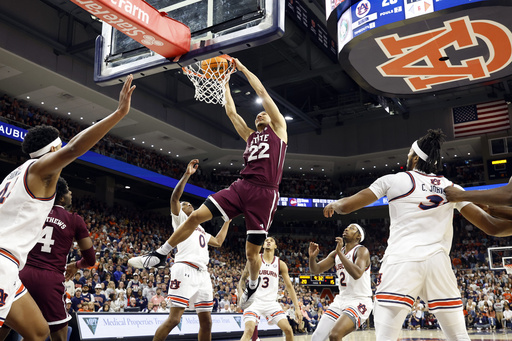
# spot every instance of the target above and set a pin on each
(329, 280)
(369, 14)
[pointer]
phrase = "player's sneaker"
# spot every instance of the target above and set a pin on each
(150, 260)
(248, 297)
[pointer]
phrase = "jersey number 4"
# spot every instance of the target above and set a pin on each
(46, 239)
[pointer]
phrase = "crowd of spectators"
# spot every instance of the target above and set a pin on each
(119, 232)
(293, 184)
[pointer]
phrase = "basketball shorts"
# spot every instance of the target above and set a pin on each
(48, 290)
(272, 311)
(190, 287)
(11, 288)
(257, 204)
(357, 309)
(432, 280)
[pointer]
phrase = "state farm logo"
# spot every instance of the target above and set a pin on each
(293, 202)
(363, 8)
(150, 40)
(420, 59)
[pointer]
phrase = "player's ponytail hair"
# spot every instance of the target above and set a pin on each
(431, 145)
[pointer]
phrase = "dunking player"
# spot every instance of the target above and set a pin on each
(43, 275)
(264, 302)
(190, 283)
(352, 305)
(256, 194)
(416, 261)
(26, 197)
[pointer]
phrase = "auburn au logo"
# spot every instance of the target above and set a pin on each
(3, 297)
(420, 59)
(174, 284)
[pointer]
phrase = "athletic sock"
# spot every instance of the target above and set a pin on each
(253, 283)
(164, 249)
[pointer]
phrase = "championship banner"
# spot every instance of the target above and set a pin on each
(119, 325)
(143, 23)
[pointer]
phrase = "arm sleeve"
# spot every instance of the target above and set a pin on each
(88, 258)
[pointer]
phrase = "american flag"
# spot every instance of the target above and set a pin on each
(480, 118)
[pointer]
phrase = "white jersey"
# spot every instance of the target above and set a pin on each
(348, 286)
(22, 215)
(269, 285)
(421, 217)
(194, 249)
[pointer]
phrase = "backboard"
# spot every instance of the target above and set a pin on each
(499, 257)
(217, 27)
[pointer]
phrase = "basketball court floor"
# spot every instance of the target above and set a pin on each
(410, 335)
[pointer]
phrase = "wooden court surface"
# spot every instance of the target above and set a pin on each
(410, 335)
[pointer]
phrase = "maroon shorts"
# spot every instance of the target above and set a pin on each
(258, 204)
(48, 290)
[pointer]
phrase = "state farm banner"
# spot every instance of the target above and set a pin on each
(119, 325)
(142, 22)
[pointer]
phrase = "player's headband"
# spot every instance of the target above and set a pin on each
(55, 143)
(419, 152)
(361, 231)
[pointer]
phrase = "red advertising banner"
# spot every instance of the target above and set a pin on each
(142, 22)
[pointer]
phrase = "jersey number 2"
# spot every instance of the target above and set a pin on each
(46, 239)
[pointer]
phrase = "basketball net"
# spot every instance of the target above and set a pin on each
(210, 83)
(508, 268)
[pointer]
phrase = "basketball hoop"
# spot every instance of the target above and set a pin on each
(210, 77)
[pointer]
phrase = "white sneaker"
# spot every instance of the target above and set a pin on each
(150, 260)
(248, 297)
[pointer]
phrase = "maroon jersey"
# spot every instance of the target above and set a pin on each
(264, 158)
(52, 248)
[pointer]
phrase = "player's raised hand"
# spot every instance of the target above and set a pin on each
(453, 194)
(339, 244)
(329, 210)
(239, 66)
(192, 166)
(125, 96)
(313, 249)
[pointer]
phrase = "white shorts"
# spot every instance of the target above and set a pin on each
(190, 287)
(11, 287)
(272, 311)
(432, 280)
(357, 309)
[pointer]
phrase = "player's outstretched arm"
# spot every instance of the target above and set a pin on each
(50, 165)
(497, 196)
(180, 187)
(357, 268)
(278, 121)
(318, 267)
(221, 236)
(238, 122)
(490, 225)
(283, 268)
(350, 204)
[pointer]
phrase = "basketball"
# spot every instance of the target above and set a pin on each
(214, 67)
